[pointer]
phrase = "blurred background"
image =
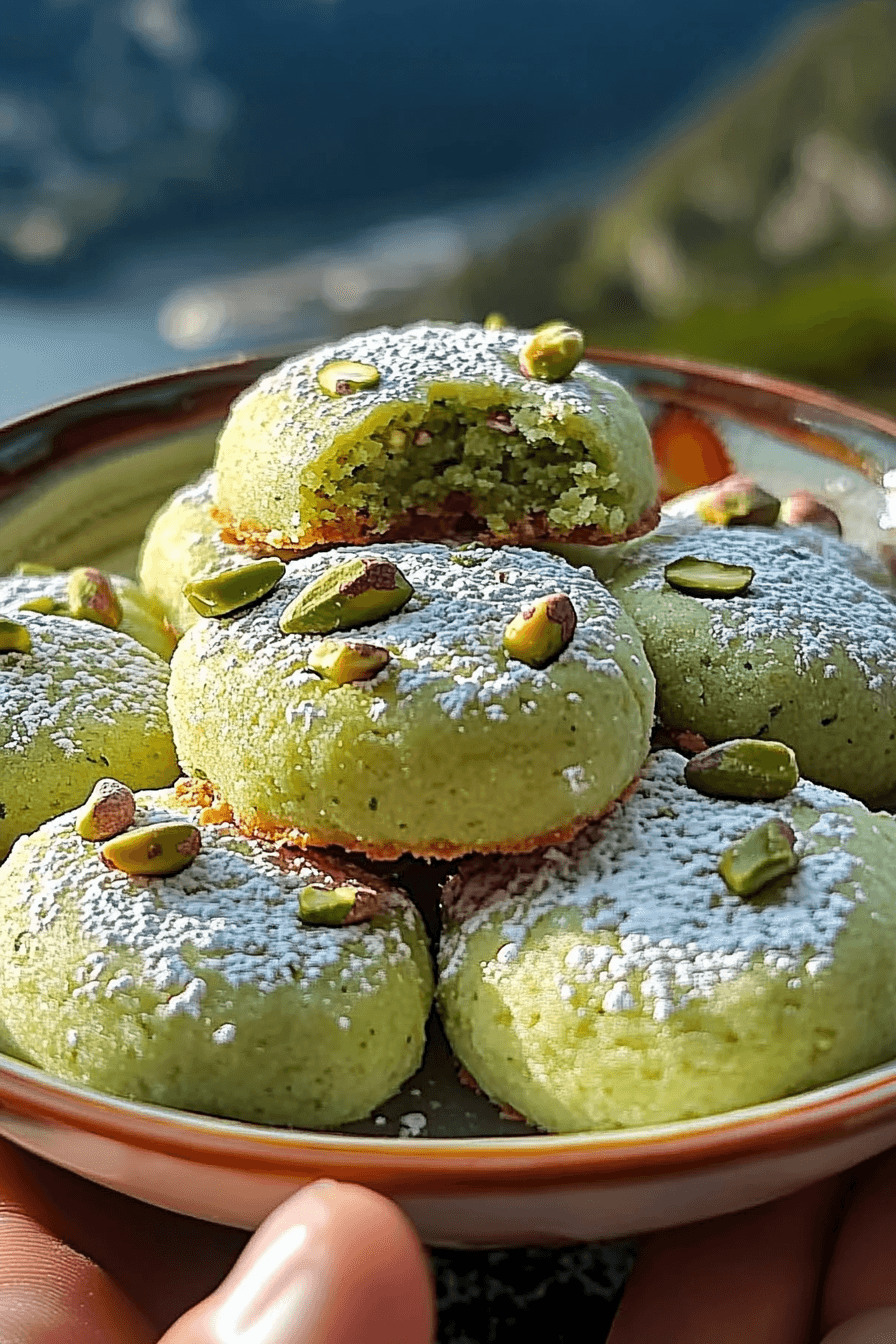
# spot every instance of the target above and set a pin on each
(184, 178)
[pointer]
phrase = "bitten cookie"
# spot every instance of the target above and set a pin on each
(432, 432)
(77, 702)
(806, 654)
(217, 988)
(620, 981)
(457, 723)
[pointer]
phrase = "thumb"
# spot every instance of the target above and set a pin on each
(333, 1265)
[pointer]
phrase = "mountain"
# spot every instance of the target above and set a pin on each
(763, 233)
(120, 116)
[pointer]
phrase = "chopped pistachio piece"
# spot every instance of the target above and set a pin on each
(343, 661)
(109, 810)
(803, 510)
(34, 568)
(153, 851)
(764, 854)
(737, 502)
(350, 593)
(91, 597)
(14, 637)
(552, 353)
(540, 633)
(45, 606)
(341, 377)
(326, 905)
(222, 593)
(495, 322)
(708, 578)
(745, 767)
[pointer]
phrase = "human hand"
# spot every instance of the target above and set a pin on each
(816, 1266)
(82, 1265)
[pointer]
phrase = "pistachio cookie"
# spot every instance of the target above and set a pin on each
(182, 543)
(419, 699)
(90, 594)
(181, 963)
(436, 432)
(622, 980)
(77, 701)
(804, 651)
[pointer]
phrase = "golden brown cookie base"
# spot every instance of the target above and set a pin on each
(453, 522)
(201, 793)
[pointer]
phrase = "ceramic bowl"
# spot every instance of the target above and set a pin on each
(78, 483)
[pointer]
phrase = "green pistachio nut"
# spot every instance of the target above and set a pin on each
(708, 578)
(343, 661)
(495, 322)
(745, 767)
(803, 510)
(552, 353)
(231, 589)
(330, 906)
(350, 593)
(14, 637)
(341, 377)
(34, 568)
(737, 502)
(153, 851)
(540, 632)
(469, 555)
(91, 597)
(763, 855)
(109, 810)
(45, 606)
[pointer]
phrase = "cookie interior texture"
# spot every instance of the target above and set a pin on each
(454, 441)
(618, 982)
(205, 991)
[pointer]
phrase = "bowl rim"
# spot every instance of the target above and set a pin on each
(807, 1119)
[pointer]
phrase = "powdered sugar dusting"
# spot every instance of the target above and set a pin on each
(214, 554)
(233, 912)
(77, 675)
(409, 361)
(447, 640)
(803, 591)
(646, 878)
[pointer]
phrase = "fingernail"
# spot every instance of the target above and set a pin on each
(276, 1293)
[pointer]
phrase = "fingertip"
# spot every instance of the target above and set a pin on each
(380, 1278)
(334, 1264)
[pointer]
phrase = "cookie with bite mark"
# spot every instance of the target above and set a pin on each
(443, 435)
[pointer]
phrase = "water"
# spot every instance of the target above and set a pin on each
(356, 150)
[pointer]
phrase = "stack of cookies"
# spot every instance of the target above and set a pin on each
(386, 651)
(375, 663)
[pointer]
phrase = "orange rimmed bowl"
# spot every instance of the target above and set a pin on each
(78, 483)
